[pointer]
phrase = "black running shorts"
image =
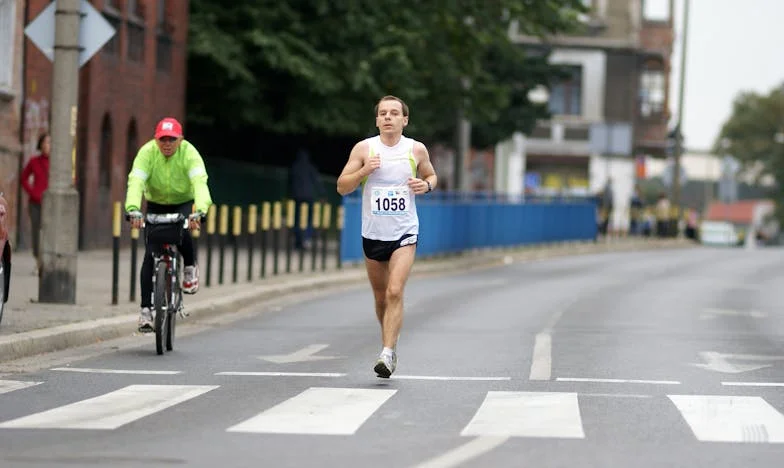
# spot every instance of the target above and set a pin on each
(382, 250)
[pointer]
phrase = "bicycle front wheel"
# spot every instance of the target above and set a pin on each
(160, 299)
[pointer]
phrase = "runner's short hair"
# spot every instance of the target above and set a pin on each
(389, 97)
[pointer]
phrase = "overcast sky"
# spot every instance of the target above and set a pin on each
(733, 46)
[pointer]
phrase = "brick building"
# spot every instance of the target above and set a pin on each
(137, 78)
(11, 34)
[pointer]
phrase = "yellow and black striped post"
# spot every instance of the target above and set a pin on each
(303, 226)
(339, 236)
(326, 224)
(222, 232)
(236, 231)
(265, 227)
(211, 214)
(276, 224)
(134, 260)
(316, 225)
(252, 223)
(290, 213)
(115, 253)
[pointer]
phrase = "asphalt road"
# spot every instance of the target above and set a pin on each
(656, 359)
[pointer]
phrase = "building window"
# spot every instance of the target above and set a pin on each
(652, 87)
(566, 94)
(112, 46)
(161, 14)
(656, 10)
(135, 41)
(163, 53)
(7, 39)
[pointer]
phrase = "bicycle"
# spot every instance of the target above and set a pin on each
(165, 231)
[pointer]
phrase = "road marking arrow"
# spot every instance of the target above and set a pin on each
(710, 314)
(303, 355)
(719, 362)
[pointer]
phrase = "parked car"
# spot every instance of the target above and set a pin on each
(721, 233)
(5, 259)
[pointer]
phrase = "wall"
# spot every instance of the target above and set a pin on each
(10, 110)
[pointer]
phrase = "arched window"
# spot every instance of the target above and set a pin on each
(105, 163)
(105, 160)
(132, 146)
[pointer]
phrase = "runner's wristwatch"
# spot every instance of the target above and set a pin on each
(429, 187)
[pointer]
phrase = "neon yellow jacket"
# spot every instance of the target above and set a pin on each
(168, 181)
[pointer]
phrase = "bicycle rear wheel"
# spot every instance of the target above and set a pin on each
(160, 299)
(171, 316)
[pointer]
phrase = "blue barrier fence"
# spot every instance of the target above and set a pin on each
(451, 222)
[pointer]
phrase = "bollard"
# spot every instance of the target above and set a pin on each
(211, 213)
(339, 233)
(115, 252)
(276, 223)
(265, 226)
(290, 213)
(252, 223)
(224, 229)
(316, 225)
(303, 225)
(326, 223)
(235, 234)
(134, 260)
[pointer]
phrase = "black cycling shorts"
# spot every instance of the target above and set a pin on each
(382, 250)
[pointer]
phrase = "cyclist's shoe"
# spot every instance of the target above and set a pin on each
(145, 321)
(190, 279)
(385, 365)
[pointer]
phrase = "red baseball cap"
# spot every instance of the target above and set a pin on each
(168, 127)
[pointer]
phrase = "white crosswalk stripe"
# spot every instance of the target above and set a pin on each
(731, 418)
(500, 415)
(111, 410)
(339, 411)
(527, 414)
(11, 385)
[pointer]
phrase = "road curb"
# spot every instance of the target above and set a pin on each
(45, 340)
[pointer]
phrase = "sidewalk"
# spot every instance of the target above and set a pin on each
(30, 328)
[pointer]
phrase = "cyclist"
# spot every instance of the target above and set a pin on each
(169, 171)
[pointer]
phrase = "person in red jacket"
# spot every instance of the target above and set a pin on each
(37, 168)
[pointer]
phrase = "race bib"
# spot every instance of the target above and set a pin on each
(389, 201)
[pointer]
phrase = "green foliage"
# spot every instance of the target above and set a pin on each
(750, 134)
(319, 66)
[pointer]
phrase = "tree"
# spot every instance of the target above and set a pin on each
(754, 134)
(320, 66)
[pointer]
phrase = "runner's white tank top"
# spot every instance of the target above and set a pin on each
(388, 205)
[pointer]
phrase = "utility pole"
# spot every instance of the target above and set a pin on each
(60, 210)
(676, 176)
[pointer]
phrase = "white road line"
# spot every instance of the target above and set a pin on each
(634, 381)
(318, 410)
(114, 371)
(615, 395)
(731, 418)
(448, 378)
(11, 385)
(753, 384)
(283, 374)
(527, 414)
(463, 453)
(111, 410)
(541, 363)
